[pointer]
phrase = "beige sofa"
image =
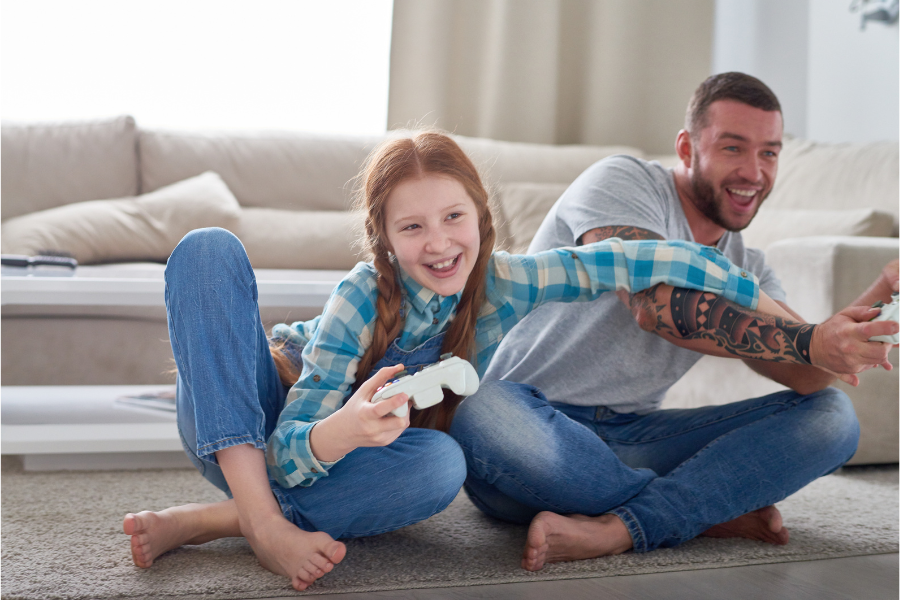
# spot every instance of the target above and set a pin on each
(828, 228)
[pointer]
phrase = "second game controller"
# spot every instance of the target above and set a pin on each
(888, 313)
(426, 387)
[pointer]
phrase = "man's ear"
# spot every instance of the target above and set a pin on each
(684, 148)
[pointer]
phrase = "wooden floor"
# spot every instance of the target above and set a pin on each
(858, 578)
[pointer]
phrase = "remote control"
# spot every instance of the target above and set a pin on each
(18, 260)
(425, 388)
(888, 313)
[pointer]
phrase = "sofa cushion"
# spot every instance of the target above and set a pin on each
(524, 206)
(46, 165)
(815, 175)
(146, 227)
(287, 239)
(772, 224)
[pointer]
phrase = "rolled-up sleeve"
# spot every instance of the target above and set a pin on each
(585, 272)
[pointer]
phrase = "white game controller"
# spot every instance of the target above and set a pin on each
(888, 313)
(425, 387)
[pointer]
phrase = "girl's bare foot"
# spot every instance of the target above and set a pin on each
(280, 546)
(556, 538)
(153, 533)
(285, 549)
(764, 525)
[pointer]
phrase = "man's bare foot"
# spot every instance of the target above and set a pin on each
(285, 549)
(556, 538)
(764, 525)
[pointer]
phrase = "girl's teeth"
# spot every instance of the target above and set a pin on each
(443, 265)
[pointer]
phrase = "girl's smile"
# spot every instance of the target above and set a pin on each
(432, 229)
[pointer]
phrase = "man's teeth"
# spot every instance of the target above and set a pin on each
(746, 193)
(443, 265)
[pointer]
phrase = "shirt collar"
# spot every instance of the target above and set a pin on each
(420, 296)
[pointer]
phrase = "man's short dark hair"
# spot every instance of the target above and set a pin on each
(727, 86)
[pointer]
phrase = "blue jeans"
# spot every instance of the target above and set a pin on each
(668, 475)
(229, 393)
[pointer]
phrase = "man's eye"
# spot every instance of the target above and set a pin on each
(770, 154)
(732, 148)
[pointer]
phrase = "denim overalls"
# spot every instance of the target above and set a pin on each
(229, 393)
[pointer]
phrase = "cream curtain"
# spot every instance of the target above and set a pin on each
(550, 71)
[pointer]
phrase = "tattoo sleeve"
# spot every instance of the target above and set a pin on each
(619, 231)
(696, 315)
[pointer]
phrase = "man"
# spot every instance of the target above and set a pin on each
(572, 440)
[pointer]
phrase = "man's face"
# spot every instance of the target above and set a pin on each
(734, 162)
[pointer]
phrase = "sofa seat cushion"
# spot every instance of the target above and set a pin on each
(289, 239)
(773, 224)
(142, 228)
(46, 165)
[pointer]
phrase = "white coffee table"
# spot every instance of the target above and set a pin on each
(76, 427)
(142, 284)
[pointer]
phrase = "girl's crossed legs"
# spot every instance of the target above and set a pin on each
(229, 396)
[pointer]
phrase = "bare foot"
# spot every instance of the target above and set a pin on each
(153, 533)
(285, 549)
(764, 525)
(280, 546)
(556, 538)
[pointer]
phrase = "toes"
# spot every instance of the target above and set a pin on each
(298, 584)
(336, 552)
(129, 524)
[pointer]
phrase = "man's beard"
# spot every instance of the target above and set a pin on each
(706, 202)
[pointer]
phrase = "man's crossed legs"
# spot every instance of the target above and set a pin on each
(593, 482)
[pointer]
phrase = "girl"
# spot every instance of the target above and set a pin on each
(338, 465)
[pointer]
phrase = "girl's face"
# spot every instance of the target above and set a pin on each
(432, 229)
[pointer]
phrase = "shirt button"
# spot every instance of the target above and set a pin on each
(434, 321)
(313, 470)
(316, 378)
(743, 273)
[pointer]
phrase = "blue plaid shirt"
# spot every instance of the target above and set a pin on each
(516, 284)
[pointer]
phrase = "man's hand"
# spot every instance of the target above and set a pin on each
(891, 275)
(841, 344)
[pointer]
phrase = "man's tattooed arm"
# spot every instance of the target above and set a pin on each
(715, 325)
(620, 231)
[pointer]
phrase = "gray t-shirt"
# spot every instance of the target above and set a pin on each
(593, 353)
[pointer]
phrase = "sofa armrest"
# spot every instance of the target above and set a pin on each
(823, 275)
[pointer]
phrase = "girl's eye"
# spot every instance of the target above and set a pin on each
(410, 227)
(453, 216)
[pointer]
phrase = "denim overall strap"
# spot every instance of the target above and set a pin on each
(413, 360)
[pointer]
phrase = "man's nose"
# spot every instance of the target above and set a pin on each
(751, 169)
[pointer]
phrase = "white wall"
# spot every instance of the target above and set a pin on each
(767, 39)
(835, 82)
(853, 78)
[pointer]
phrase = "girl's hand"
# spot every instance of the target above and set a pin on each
(360, 423)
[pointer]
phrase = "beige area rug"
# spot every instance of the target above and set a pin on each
(61, 538)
